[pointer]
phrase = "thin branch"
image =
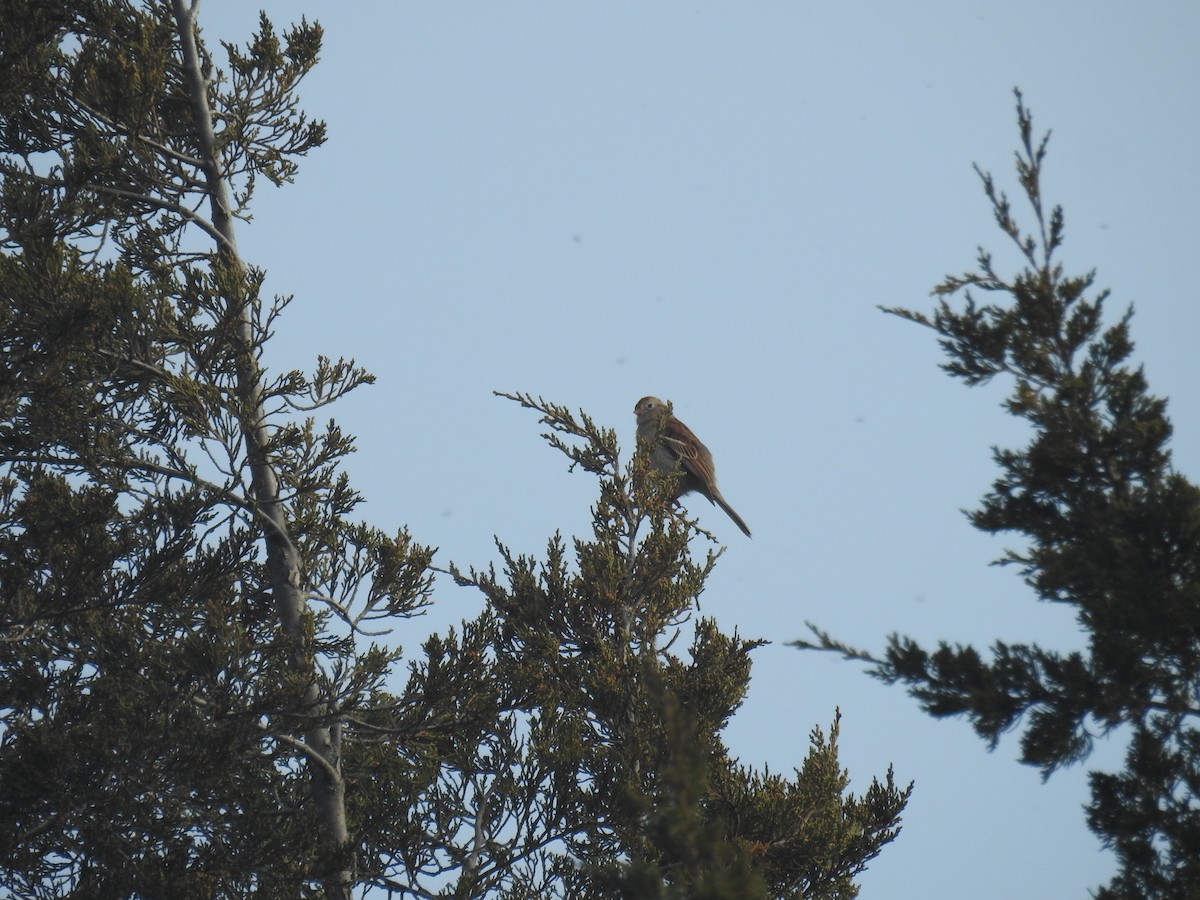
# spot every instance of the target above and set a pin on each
(309, 752)
(169, 205)
(150, 142)
(158, 202)
(343, 613)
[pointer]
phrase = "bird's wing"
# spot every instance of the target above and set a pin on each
(692, 454)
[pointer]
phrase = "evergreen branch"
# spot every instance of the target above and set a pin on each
(828, 643)
(598, 453)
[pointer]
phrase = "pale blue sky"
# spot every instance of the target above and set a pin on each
(706, 202)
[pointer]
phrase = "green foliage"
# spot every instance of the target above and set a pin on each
(652, 804)
(1112, 529)
(154, 712)
(194, 700)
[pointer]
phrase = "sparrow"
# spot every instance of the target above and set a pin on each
(674, 448)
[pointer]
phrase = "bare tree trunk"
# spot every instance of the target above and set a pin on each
(322, 743)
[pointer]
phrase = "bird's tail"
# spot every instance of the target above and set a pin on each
(729, 511)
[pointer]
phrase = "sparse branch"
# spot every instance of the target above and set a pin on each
(172, 206)
(596, 451)
(314, 756)
(828, 643)
(344, 614)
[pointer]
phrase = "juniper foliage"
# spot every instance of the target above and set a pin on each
(1111, 529)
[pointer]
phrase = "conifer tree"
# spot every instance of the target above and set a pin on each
(185, 599)
(632, 731)
(1111, 528)
(195, 699)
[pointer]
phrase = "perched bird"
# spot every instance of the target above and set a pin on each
(676, 449)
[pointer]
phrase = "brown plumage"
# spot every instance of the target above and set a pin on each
(676, 449)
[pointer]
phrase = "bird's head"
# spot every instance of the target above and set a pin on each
(651, 407)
